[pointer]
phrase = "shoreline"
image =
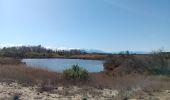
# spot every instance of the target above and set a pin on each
(62, 58)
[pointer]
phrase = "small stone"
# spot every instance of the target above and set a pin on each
(60, 88)
(167, 91)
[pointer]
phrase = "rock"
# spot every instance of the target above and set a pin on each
(89, 95)
(54, 95)
(114, 93)
(110, 93)
(167, 91)
(60, 88)
(78, 97)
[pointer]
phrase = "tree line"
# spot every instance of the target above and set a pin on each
(37, 52)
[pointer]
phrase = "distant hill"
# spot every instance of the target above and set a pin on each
(93, 51)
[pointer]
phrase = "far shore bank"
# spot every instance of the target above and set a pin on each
(62, 58)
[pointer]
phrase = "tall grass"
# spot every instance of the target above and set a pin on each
(25, 73)
(6, 60)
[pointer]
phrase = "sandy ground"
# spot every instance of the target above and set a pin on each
(9, 91)
(14, 90)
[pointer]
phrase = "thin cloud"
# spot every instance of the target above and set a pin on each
(132, 9)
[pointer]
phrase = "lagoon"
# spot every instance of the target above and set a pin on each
(59, 65)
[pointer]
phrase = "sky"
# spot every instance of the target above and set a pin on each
(108, 25)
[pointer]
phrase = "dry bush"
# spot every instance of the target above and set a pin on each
(123, 64)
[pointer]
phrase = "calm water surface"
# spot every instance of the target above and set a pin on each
(60, 64)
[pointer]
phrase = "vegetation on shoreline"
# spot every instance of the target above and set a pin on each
(123, 64)
(76, 73)
(42, 52)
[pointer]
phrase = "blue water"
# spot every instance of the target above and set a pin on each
(59, 65)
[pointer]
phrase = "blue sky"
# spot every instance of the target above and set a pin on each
(109, 25)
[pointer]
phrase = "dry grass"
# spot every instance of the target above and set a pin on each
(131, 81)
(4, 61)
(25, 73)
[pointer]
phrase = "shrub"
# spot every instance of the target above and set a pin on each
(120, 65)
(155, 63)
(76, 73)
(159, 63)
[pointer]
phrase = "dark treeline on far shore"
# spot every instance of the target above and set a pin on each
(42, 52)
(36, 52)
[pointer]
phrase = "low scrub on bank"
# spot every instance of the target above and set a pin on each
(155, 63)
(76, 73)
